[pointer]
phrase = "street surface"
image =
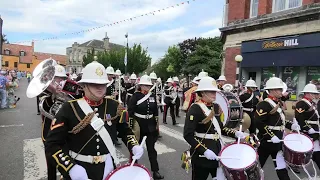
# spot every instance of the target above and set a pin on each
(22, 155)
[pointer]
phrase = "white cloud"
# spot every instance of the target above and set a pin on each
(214, 22)
(58, 17)
(211, 33)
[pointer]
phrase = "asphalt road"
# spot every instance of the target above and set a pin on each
(22, 155)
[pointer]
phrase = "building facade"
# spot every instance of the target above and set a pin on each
(76, 52)
(278, 37)
(23, 57)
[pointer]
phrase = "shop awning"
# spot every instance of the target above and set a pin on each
(287, 57)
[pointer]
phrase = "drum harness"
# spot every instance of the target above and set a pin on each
(276, 108)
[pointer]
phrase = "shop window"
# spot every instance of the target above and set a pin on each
(6, 64)
(28, 65)
(280, 5)
(7, 52)
(22, 53)
(254, 8)
(15, 64)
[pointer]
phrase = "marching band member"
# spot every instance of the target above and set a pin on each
(221, 81)
(190, 96)
(270, 121)
(159, 93)
(79, 140)
(59, 76)
(131, 86)
(169, 99)
(249, 102)
(143, 113)
(307, 115)
(177, 106)
(111, 91)
(203, 129)
(153, 77)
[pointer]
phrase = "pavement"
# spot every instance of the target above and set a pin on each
(22, 155)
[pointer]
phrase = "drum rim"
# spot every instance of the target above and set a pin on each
(239, 168)
(126, 165)
(229, 111)
(302, 135)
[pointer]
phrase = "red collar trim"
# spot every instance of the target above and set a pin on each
(249, 91)
(304, 97)
(273, 98)
(144, 92)
(93, 103)
(207, 104)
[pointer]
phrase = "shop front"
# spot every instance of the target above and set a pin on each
(295, 59)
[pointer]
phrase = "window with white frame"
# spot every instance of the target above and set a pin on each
(280, 5)
(254, 6)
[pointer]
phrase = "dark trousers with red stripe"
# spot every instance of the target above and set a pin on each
(172, 113)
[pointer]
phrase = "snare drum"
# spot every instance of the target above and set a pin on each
(297, 149)
(246, 167)
(231, 107)
(136, 172)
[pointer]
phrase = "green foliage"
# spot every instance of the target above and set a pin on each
(138, 59)
(4, 39)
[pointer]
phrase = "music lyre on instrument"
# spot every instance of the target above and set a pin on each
(119, 95)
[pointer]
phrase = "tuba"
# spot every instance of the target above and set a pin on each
(227, 87)
(42, 80)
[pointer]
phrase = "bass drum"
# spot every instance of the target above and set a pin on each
(231, 107)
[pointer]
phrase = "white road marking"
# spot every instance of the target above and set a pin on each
(35, 166)
(180, 125)
(11, 125)
(161, 148)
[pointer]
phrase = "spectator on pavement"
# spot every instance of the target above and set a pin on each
(3, 89)
(29, 76)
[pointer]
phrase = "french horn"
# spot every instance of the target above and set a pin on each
(227, 87)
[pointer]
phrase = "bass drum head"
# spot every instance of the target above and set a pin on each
(298, 142)
(224, 105)
(136, 172)
(246, 156)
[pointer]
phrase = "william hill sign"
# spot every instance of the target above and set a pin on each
(280, 43)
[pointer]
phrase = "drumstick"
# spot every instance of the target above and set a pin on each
(223, 157)
(240, 129)
(142, 143)
(286, 140)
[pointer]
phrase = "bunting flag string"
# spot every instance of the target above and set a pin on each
(110, 24)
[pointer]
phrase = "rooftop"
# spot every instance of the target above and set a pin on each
(61, 59)
(15, 51)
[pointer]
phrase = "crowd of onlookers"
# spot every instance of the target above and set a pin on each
(9, 82)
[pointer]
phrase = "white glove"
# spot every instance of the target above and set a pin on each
(295, 127)
(210, 155)
(78, 173)
(137, 151)
(240, 135)
(312, 131)
(275, 139)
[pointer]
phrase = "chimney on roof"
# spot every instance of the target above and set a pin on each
(75, 44)
(106, 42)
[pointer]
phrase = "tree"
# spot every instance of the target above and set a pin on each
(204, 58)
(138, 59)
(4, 39)
(175, 60)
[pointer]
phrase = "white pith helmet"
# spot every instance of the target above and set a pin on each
(169, 80)
(145, 80)
(133, 76)
(118, 72)
(251, 83)
(195, 80)
(110, 70)
(81, 71)
(310, 88)
(207, 84)
(202, 74)
(153, 75)
(74, 76)
(274, 83)
(176, 79)
(94, 73)
(222, 78)
(159, 80)
(227, 87)
(60, 71)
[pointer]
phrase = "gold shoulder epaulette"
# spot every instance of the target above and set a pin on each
(73, 100)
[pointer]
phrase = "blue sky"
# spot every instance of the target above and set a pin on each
(22, 22)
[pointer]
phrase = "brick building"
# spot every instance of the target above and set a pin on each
(279, 37)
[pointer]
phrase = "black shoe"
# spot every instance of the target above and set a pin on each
(159, 136)
(165, 123)
(177, 116)
(157, 175)
(175, 123)
(38, 113)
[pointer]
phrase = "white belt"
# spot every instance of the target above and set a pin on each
(207, 136)
(313, 122)
(129, 94)
(248, 109)
(148, 116)
(90, 159)
(276, 128)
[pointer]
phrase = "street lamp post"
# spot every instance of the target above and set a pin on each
(126, 36)
(238, 59)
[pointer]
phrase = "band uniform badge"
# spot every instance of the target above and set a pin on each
(99, 71)
(214, 83)
(108, 119)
